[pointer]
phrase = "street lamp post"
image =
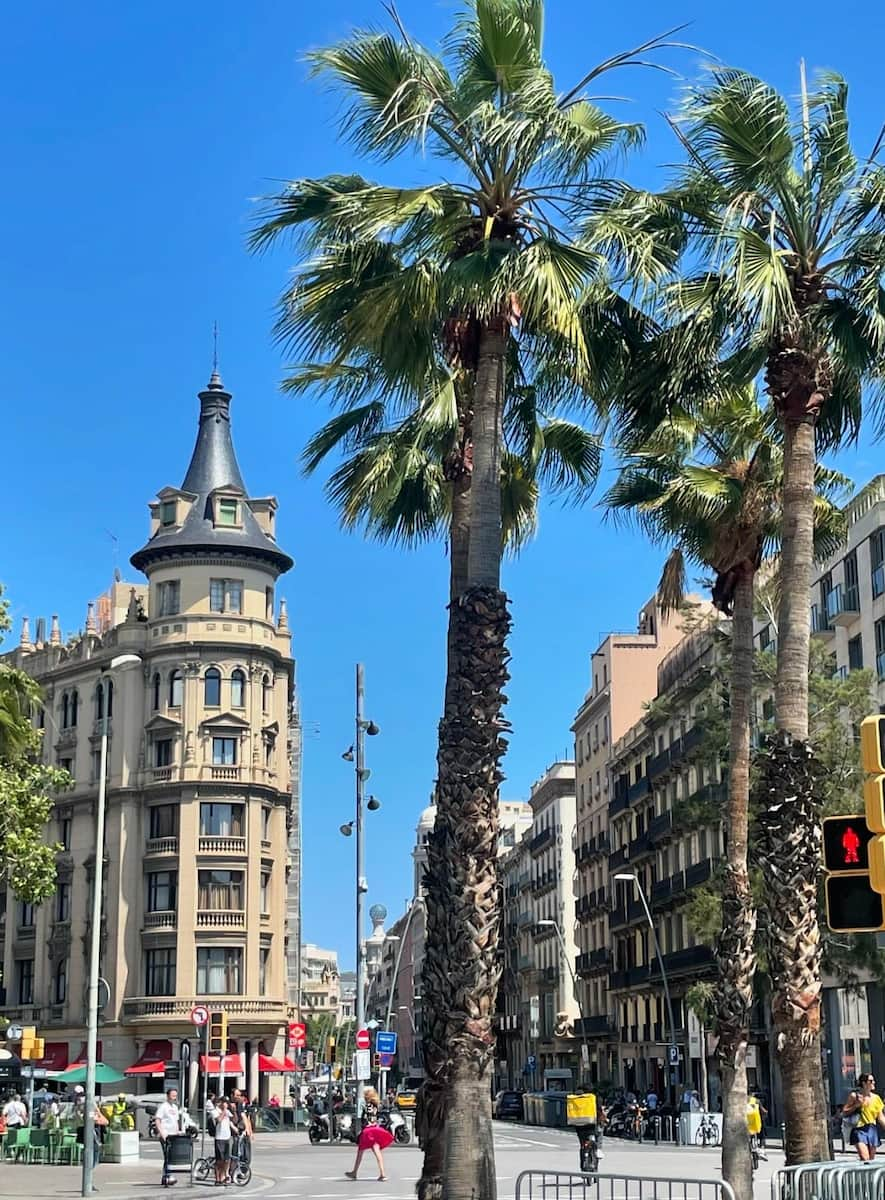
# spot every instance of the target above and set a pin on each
(121, 660)
(585, 1049)
(634, 879)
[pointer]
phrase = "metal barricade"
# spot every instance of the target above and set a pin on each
(564, 1185)
(829, 1181)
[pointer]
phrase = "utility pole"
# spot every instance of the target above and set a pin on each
(361, 885)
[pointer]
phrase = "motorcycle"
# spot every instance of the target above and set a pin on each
(394, 1122)
(588, 1152)
(347, 1127)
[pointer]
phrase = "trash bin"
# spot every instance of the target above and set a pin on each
(180, 1154)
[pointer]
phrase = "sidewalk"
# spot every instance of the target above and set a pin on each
(130, 1181)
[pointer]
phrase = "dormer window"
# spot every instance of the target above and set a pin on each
(168, 513)
(227, 512)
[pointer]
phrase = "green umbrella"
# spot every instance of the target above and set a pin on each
(77, 1074)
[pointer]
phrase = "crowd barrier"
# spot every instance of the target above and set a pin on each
(563, 1185)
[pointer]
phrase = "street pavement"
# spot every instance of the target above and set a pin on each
(287, 1167)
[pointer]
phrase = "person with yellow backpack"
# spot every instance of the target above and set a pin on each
(755, 1115)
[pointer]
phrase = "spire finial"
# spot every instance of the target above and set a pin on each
(25, 642)
(91, 626)
(283, 622)
(55, 631)
(215, 378)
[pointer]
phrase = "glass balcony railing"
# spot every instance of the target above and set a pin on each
(842, 602)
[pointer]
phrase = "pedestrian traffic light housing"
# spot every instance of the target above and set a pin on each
(872, 750)
(853, 904)
(218, 1032)
(28, 1043)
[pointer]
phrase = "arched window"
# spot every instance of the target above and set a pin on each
(110, 700)
(156, 686)
(75, 706)
(265, 693)
(213, 688)
(65, 711)
(99, 701)
(238, 689)
(176, 688)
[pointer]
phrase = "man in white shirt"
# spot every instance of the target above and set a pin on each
(224, 1129)
(15, 1113)
(167, 1121)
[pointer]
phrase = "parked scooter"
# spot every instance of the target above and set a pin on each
(393, 1120)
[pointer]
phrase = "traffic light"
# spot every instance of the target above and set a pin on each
(38, 1050)
(330, 1050)
(218, 1032)
(29, 1037)
(853, 904)
(872, 750)
(846, 842)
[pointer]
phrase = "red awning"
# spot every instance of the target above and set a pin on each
(233, 1064)
(55, 1056)
(275, 1066)
(80, 1060)
(153, 1060)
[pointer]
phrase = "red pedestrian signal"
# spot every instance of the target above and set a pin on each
(846, 844)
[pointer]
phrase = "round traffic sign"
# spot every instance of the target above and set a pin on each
(14, 1033)
(199, 1014)
(363, 1041)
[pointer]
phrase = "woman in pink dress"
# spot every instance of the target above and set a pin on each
(372, 1136)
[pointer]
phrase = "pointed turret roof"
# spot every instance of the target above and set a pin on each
(213, 468)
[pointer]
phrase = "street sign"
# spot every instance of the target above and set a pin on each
(14, 1033)
(385, 1041)
(297, 1035)
(363, 1040)
(199, 1014)
(362, 1064)
(585, 1056)
(385, 1061)
(673, 1056)
(531, 1064)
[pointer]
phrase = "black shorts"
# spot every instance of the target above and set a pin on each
(222, 1149)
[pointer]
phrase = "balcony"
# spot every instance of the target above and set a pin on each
(617, 981)
(221, 920)
(160, 920)
(582, 964)
(617, 917)
(162, 845)
(597, 1026)
(544, 881)
(225, 774)
(690, 959)
(660, 829)
(222, 845)
(541, 840)
(619, 801)
(163, 774)
(639, 789)
(639, 846)
(820, 626)
(877, 578)
(618, 858)
(525, 962)
(659, 764)
(146, 1010)
(698, 873)
(524, 920)
(600, 959)
(843, 605)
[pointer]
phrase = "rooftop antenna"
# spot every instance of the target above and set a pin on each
(214, 347)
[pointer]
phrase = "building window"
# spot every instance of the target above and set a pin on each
(238, 689)
(168, 512)
(64, 711)
(163, 752)
(162, 889)
(64, 833)
(220, 891)
(213, 688)
(159, 972)
(26, 915)
(24, 978)
(270, 743)
(163, 821)
(75, 707)
(221, 820)
(224, 752)
(880, 648)
(265, 823)
(877, 562)
(855, 653)
(265, 891)
(765, 638)
(155, 699)
(226, 512)
(226, 595)
(99, 701)
(63, 900)
(168, 598)
(60, 983)
(176, 689)
(219, 970)
(266, 689)
(263, 961)
(268, 603)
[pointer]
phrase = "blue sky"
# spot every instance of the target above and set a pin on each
(135, 140)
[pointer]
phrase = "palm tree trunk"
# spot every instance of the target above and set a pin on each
(735, 951)
(484, 562)
(790, 825)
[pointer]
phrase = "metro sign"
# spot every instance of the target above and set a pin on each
(297, 1035)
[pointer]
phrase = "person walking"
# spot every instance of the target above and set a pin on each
(224, 1130)
(864, 1112)
(167, 1122)
(15, 1112)
(372, 1135)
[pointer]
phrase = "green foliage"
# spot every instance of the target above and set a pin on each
(5, 619)
(703, 911)
(701, 998)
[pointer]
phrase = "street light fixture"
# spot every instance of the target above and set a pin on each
(346, 829)
(628, 877)
(348, 754)
(585, 1049)
(116, 663)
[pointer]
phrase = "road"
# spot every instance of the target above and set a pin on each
(287, 1167)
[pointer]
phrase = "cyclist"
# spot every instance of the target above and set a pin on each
(587, 1117)
(755, 1115)
(864, 1105)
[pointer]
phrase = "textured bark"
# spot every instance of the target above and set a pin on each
(484, 561)
(460, 973)
(735, 951)
(789, 853)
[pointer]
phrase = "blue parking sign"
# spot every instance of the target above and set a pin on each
(531, 1064)
(385, 1042)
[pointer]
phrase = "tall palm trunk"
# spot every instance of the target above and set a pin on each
(790, 826)
(461, 966)
(735, 952)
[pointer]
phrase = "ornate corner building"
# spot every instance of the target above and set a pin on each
(201, 813)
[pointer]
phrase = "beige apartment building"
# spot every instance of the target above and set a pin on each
(623, 678)
(198, 791)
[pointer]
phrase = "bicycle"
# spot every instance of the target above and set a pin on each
(588, 1149)
(754, 1151)
(708, 1132)
(240, 1172)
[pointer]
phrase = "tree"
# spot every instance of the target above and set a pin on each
(712, 482)
(787, 231)
(513, 245)
(27, 787)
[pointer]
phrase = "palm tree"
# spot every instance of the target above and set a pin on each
(712, 483)
(787, 227)
(509, 247)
